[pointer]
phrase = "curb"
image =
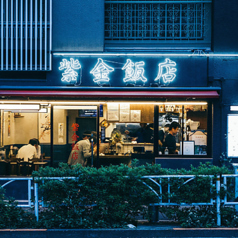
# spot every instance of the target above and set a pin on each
(149, 232)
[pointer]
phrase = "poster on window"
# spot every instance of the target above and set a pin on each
(135, 115)
(113, 112)
(9, 124)
(232, 140)
(188, 147)
(124, 112)
(60, 132)
(44, 127)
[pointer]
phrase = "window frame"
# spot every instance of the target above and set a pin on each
(156, 43)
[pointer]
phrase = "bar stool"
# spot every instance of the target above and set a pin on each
(13, 166)
(3, 167)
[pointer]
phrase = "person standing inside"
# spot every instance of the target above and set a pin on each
(28, 151)
(170, 140)
(162, 135)
(142, 134)
(81, 151)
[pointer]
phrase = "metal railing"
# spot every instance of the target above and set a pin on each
(146, 180)
(21, 203)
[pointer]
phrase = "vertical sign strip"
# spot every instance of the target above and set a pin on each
(31, 37)
(46, 32)
(12, 35)
(7, 35)
(21, 59)
(2, 63)
(26, 35)
(50, 55)
(36, 3)
(16, 34)
(40, 34)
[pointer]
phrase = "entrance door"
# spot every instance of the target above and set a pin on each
(85, 124)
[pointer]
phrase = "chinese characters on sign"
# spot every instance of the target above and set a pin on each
(75, 137)
(101, 72)
(167, 71)
(70, 75)
(134, 72)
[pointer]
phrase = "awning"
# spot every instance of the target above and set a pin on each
(113, 93)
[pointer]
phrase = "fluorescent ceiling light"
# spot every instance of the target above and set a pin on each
(42, 110)
(19, 107)
(234, 108)
(75, 107)
(186, 103)
(164, 103)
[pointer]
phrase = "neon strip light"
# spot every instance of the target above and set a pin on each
(147, 54)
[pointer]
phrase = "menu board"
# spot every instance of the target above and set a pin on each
(124, 112)
(232, 141)
(113, 112)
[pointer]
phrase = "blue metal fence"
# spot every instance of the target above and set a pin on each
(217, 182)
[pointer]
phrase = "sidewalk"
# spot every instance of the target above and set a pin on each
(142, 231)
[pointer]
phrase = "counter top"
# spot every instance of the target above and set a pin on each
(114, 156)
(141, 144)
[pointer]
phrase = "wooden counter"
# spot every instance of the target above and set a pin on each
(107, 160)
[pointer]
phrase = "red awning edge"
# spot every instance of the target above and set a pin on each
(111, 94)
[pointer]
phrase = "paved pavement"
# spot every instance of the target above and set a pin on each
(141, 231)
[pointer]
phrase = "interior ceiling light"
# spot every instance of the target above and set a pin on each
(42, 110)
(75, 107)
(234, 108)
(20, 106)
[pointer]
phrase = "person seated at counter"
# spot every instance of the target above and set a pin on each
(142, 134)
(28, 151)
(170, 140)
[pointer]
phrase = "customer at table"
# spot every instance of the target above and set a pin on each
(170, 140)
(81, 151)
(38, 149)
(28, 151)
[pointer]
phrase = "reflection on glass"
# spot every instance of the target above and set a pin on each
(190, 126)
(196, 127)
(132, 135)
(170, 120)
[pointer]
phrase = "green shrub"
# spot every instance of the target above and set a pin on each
(114, 196)
(12, 216)
(107, 197)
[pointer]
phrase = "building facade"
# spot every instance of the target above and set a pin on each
(110, 66)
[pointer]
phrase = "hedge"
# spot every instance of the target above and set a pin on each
(112, 197)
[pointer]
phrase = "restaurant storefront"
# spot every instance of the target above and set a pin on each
(115, 96)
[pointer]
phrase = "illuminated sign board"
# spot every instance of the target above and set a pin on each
(127, 71)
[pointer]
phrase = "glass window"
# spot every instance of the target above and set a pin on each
(71, 124)
(127, 132)
(182, 129)
(25, 138)
(174, 22)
